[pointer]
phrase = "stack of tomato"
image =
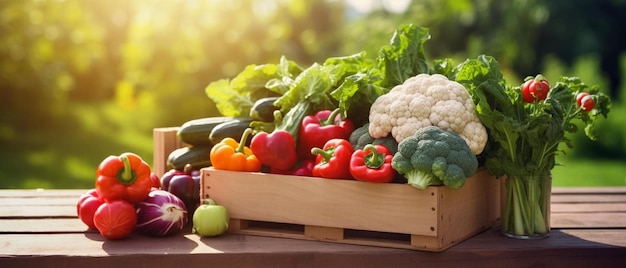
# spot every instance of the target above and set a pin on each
(122, 182)
(129, 197)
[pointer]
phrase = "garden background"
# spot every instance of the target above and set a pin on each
(82, 80)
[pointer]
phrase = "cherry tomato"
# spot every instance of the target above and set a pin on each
(81, 199)
(528, 98)
(535, 89)
(585, 101)
(156, 181)
(115, 219)
(86, 207)
(580, 97)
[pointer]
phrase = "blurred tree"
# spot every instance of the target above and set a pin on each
(464, 28)
(153, 58)
(521, 34)
(175, 48)
(576, 28)
(46, 46)
(104, 73)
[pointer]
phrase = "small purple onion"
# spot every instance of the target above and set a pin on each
(161, 213)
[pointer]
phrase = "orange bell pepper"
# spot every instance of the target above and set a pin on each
(229, 154)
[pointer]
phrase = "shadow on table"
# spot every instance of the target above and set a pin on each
(559, 239)
(137, 243)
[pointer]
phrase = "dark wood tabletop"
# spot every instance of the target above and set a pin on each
(39, 228)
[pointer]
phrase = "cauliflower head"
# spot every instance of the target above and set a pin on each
(427, 100)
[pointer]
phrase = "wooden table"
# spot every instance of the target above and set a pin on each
(39, 228)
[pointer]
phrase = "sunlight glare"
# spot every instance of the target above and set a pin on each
(396, 6)
(264, 8)
(364, 6)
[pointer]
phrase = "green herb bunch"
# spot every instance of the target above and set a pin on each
(524, 136)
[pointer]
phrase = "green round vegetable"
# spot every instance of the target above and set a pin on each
(361, 137)
(434, 156)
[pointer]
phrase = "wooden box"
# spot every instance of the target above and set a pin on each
(354, 212)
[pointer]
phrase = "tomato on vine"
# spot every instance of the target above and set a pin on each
(535, 89)
(585, 101)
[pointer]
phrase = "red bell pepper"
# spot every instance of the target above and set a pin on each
(303, 168)
(317, 129)
(332, 162)
(277, 149)
(123, 177)
(372, 164)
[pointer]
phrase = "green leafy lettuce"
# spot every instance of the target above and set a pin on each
(235, 97)
(351, 83)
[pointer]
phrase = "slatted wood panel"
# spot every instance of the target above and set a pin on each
(588, 208)
(352, 212)
(40, 229)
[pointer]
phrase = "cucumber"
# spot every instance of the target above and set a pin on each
(263, 109)
(231, 129)
(197, 156)
(196, 132)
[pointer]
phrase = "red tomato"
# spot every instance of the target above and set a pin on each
(528, 98)
(585, 101)
(115, 219)
(84, 196)
(87, 206)
(580, 97)
(539, 89)
(535, 89)
(156, 181)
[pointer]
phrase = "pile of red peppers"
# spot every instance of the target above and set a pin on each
(321, 149)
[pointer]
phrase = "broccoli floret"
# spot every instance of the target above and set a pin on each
(361, 137)
(434, 156)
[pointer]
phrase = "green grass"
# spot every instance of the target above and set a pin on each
(587, 172)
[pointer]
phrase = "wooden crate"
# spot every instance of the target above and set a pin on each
(346, 211)
(353, 212)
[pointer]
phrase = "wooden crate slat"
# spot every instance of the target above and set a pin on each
(327, 210)
(272, 198)
(335, 235)
(165, 141)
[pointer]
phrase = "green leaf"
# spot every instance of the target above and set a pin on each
(355, 95)
(312, 85)
(445, 67)
(405, 56)
(341, 67)
(236, 97)
(227, 100)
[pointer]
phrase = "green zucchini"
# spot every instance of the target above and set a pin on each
(197, 156)
(231, 129)
(196, 132)
(263, 109)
